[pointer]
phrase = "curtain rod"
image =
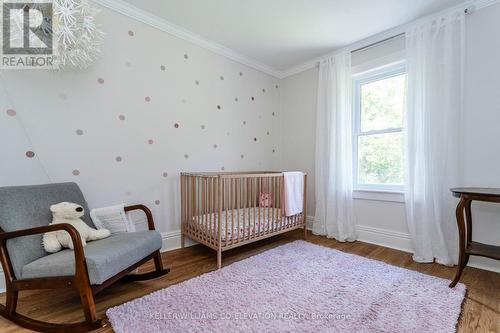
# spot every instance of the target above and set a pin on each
(378, 42)
(468, 10)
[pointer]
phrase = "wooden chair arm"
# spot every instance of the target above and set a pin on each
(80, 264)
(146, 210)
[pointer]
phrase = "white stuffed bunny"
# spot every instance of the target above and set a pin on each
(67, 212)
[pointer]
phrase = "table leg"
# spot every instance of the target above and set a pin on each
(461, 237)
(468, 231)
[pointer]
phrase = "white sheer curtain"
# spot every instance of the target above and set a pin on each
(435, 60)
(334, 214)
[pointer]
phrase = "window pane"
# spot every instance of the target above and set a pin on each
(380, 159)
(382, 103)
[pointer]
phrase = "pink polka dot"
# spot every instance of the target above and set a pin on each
(118, 158)
(165, 174)
(147, 99)
(76, 172)
(176, 125)
(150, 141)
(11, 112)
(100, 80)
(157, 202)
(30, 154)
(131, 33)
(121, 117)
(79, 132)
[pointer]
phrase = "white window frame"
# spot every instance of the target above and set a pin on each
(358, 80)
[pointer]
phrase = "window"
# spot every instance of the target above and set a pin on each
(379, 100)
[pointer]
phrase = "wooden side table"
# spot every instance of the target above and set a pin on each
(468, 247)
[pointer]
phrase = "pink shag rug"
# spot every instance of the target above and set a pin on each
(298, 287)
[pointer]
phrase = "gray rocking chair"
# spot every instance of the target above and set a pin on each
(25, 216)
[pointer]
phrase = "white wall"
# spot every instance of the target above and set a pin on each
(52, 106)
(298, 128)
(482, 120)
(384, 222)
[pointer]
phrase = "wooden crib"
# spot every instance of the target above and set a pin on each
(225, 210)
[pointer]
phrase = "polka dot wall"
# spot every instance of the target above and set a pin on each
(126, 127)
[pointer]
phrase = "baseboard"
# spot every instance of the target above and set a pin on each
(172, 241)
(401, 241)
(383, 237)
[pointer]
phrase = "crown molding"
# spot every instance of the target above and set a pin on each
(480, 4)
(154, 21)
(472, 5)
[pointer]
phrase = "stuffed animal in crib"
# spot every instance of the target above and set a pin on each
(266, 199)
(71, 213)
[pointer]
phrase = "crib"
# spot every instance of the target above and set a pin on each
(230, 209)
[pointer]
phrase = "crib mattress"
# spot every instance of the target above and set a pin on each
(264, 218)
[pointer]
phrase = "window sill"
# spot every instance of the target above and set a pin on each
(379, 195)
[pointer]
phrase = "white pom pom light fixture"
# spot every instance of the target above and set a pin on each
(77, 36)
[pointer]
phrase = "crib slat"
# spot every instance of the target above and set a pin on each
(198, 212)
(209, 208)
(254, 194)
(274, 203)
(237, 199)
(219, 215)
(259, 191)
(243, 205)
(214, 206)
(231, 203)
(202, 204)
(304, 209)
(247, 206)
(268, 224)
(280, 207)
(193, 203)
(226, 202)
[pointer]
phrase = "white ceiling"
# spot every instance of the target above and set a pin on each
(285, 33)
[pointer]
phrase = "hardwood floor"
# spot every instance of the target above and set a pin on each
(481, 309)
